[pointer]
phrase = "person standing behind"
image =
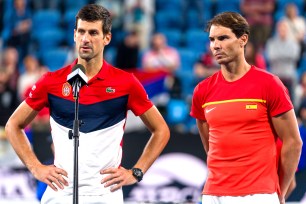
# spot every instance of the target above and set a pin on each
(128, 52)
(104, 103)
(139, 17)
(300, 90)
(259, 14)
(283, 54)
(20, 23)
(30, 75)
(9, 62)
(240, 112)
(254, 56)
(205, 67)
(296, 26)
(8, 98)
(162, 57)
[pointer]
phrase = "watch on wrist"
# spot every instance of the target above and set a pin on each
(137, 173)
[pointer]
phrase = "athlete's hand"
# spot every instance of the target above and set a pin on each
(117, 177)
(51, 175)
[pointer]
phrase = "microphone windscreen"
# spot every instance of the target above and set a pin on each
(78, 72)
(79, 66)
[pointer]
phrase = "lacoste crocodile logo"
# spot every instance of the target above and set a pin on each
(110, 90)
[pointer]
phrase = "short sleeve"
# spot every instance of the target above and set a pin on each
(197, 102)
(138, 101)
(38, 97)
(278, 99)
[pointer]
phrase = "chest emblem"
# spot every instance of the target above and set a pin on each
(66, 89)
(251, 107)
(110, 90)
(209, 110)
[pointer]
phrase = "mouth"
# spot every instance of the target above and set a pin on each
(85, 48)
(218, 55)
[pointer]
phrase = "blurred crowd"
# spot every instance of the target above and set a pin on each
(150, 36)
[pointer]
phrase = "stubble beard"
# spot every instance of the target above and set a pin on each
(85, 56)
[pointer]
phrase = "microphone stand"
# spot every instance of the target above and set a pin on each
(75, 134)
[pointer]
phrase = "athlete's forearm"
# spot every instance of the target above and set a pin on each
(286, 128)
(153, 149)
(289, 159)
(14, 131)
(160, 135)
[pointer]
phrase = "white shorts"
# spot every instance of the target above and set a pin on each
(52, 197)
(249, 199)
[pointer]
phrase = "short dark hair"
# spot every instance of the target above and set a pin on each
(94, 12)
(232, 20)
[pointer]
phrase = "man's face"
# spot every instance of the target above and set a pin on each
(224, 44)
(89, 39)
(158, 42)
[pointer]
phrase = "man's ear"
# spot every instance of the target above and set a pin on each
(244, 40)
(107, 38)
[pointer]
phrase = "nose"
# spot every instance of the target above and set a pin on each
(214, 45)
(85, 37)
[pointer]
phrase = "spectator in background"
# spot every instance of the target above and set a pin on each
(259, 14)
(300, 90)
(254, 56)
(33, 71)
(115, 9)
(8, 103)
(205, 66)
(10, 65)
(282, 55)
(139, 17)
(20, 27)
(8, 98)
(161, 57)
(29, 77)
(128, 51)
(296, 26)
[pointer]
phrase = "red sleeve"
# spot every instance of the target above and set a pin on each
(278, 99)
(197, 101)
(38, 96)
(138, 101)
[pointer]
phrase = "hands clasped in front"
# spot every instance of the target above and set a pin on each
(117, 177)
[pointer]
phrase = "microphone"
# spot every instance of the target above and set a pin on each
(77, 79)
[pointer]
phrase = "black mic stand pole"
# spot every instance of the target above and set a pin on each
(75, 134)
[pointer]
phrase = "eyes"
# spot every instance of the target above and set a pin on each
(219, 38)
(91, 32)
